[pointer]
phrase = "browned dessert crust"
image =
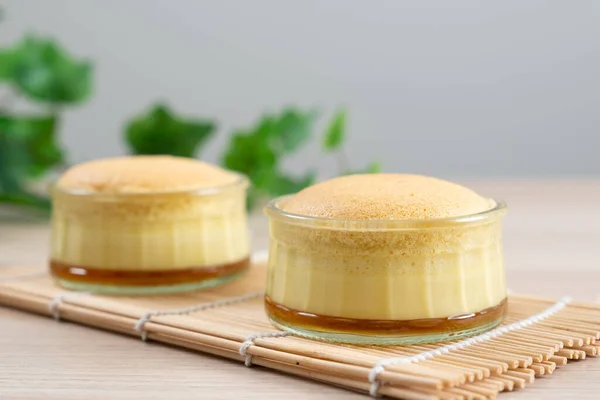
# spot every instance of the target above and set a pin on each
(144, 174)
(386, 197)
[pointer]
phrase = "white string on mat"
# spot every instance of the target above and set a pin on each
(139, 325)
(250, 342)
(381, 364)
(54, 305)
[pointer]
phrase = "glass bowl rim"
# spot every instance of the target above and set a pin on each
(241, 181)
(273, 210)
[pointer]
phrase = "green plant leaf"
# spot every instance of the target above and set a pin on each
(372, 168)
(280, 184)
(252, 198)
(336, 131)
(28, 149)
(249, 154)
(292, 129)
(162, 132)
(271, 183)
(44, 71)
(26, 199)
(257, 152)
(6, 65)
(14, 160)
(33, 140)
(272, 137)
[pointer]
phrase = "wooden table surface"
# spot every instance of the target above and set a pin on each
(552, 237)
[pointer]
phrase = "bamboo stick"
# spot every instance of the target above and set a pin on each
(489, 393)
(526, 377)
(559, 360)
(467, 394)
(510, 362)
(523, 338)
(550, 366)
(526, 370)
(490, 384)
(517, 351)
(519, 383)
(443, 394)
(590, 350)
(450, 363)
(545, 350)
(573, 327)
(508, 385)
(471, 371)
(588, 336)
(539, 369)
(492, 366)
(568, 353)
(567, 341)
(523, 359)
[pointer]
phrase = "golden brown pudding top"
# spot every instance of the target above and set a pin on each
(386, 196)
(144, 174)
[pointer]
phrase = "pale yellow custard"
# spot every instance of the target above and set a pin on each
(148, 224)
(385, 250)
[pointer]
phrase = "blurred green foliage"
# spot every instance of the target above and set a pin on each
(336, 132)
(161, 132)
(257, 151)
(333, 141)
(41, 71)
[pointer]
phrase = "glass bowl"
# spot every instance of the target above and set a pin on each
(385, 281)
(149, 243)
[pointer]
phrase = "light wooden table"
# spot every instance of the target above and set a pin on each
(552, 239)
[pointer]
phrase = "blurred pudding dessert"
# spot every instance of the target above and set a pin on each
(386, 258)
(148, 224)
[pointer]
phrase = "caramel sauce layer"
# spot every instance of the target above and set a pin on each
(316, 322)
(82, 274)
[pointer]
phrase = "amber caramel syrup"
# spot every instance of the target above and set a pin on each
(82, 274)
(315, 322)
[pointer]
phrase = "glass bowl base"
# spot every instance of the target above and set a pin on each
(384, 331)
(383, 339)
(146, 290)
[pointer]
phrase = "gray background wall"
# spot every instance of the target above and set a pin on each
(451, 88)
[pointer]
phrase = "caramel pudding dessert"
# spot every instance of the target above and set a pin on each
(148, 224)
(385, 258)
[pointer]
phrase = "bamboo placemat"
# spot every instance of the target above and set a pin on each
(538, 336)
